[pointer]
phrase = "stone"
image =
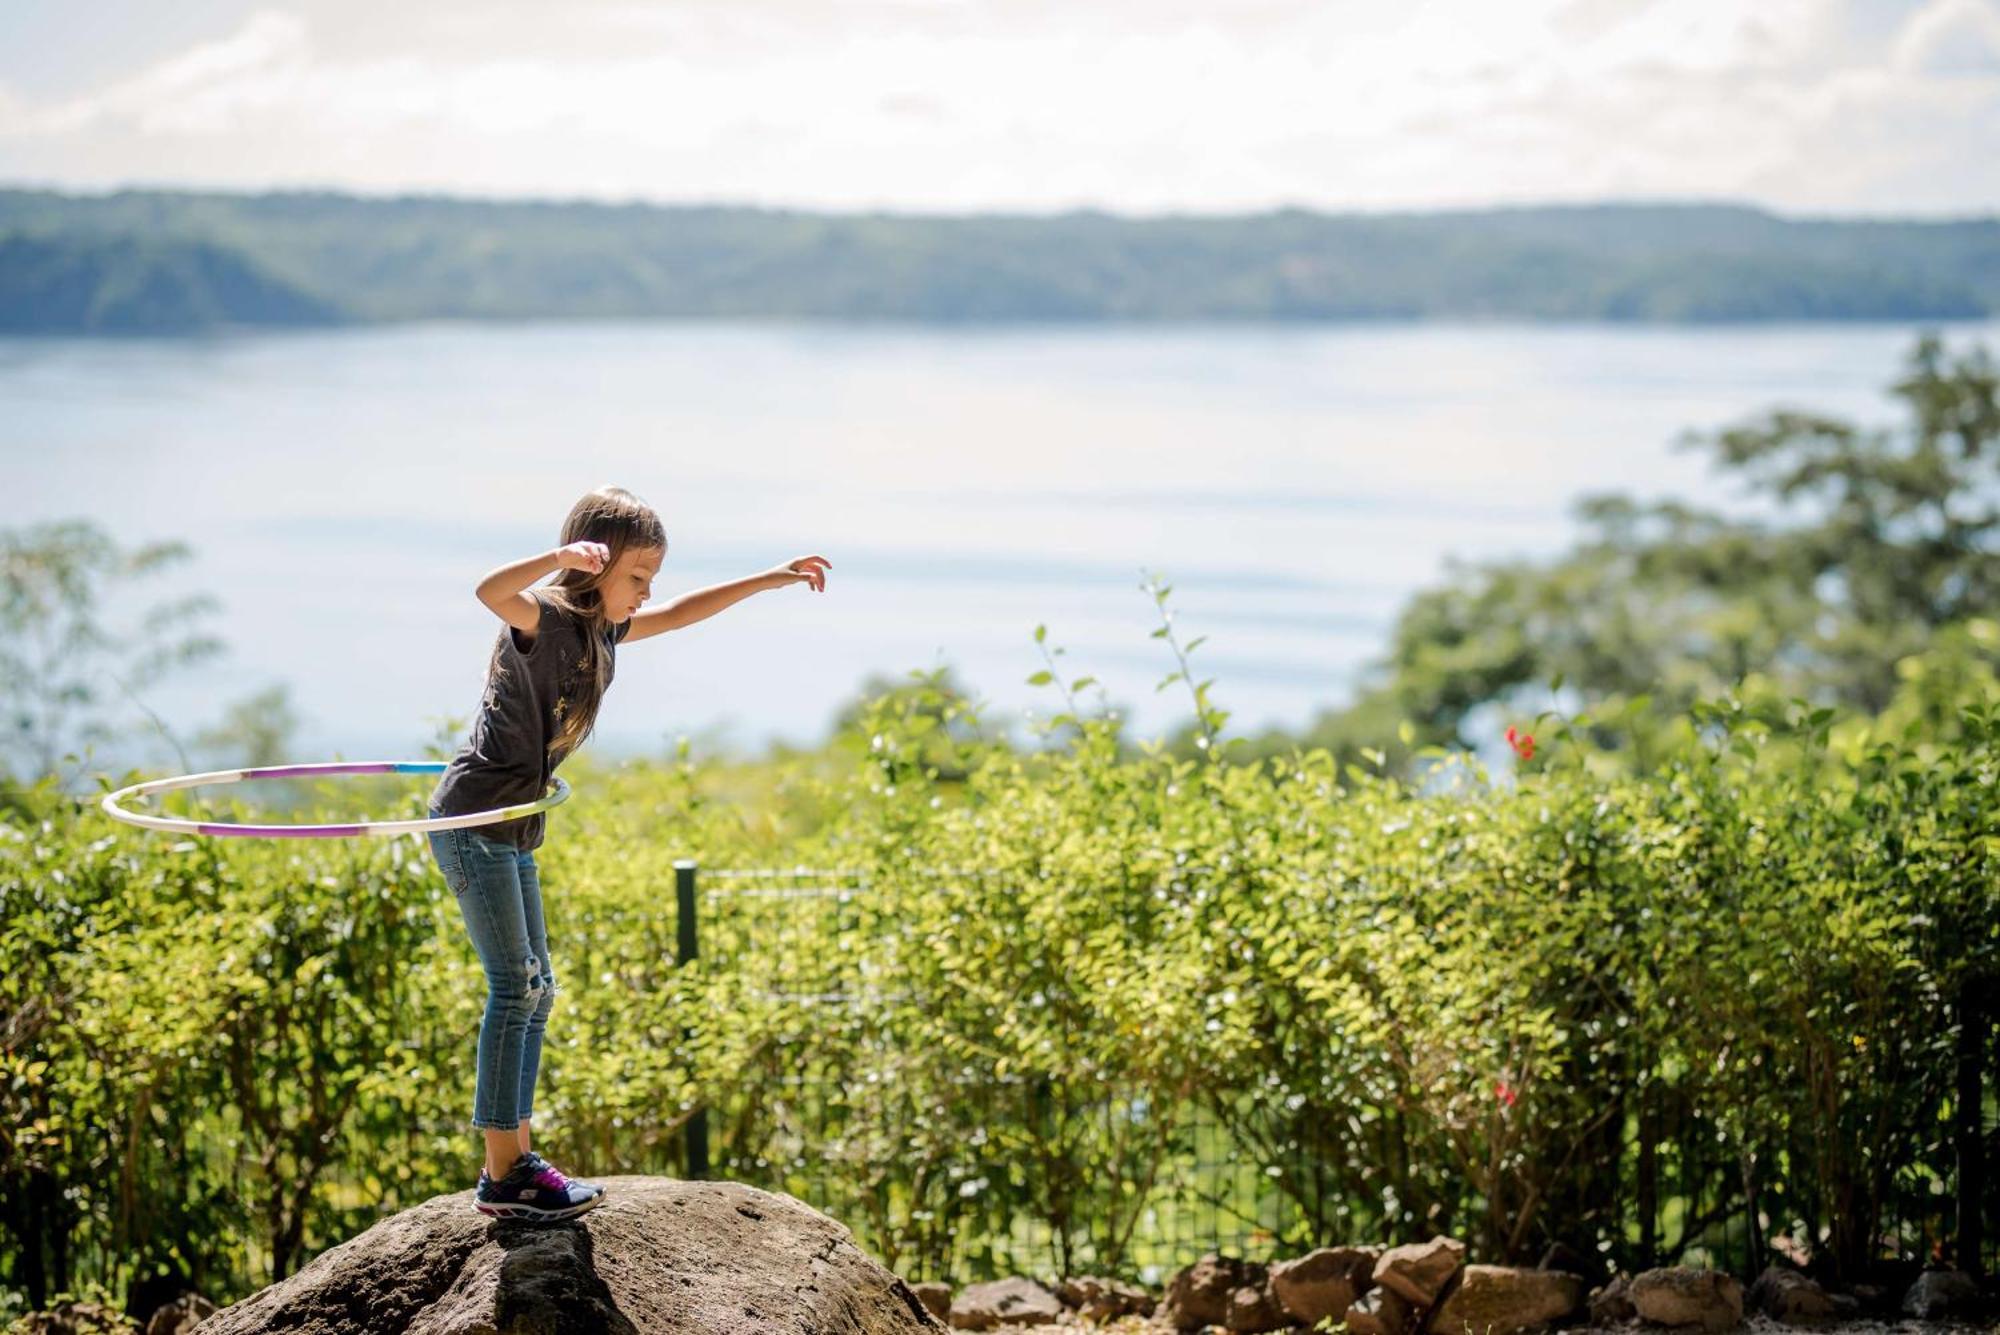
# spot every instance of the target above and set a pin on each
(658, 1256)
(1940, 1295)
(74, 1318)
(935, 1296)
(1875, 1299)
(1788, 1296)
(1683, 1296)
(1588, 1265)
(1498, 1300)
(1097, 1298)
(180, 1316)
(1381, 1312)
(1420, 1272)
(1612, 1303)
(1323, 1283)
(1013, 1301)
(1205, 1293)
(1254, 1308)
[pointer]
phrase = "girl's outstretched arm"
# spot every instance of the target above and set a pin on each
(700, 604)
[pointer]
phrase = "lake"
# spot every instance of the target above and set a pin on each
(344, 492)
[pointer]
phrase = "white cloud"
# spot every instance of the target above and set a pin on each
(1951, 37)
(1130, 104)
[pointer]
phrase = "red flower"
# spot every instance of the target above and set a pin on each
(1504, 1092)
(1523, 743)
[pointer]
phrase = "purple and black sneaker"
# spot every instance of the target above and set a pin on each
(533, 1189)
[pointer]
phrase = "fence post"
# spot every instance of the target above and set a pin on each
(695, 1132)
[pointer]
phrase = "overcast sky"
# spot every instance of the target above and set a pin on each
(1806, 106)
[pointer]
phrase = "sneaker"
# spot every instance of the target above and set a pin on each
(533, 1189)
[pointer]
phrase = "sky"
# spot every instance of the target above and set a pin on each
(1815, 107)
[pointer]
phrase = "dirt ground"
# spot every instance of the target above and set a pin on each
(1756, 1325)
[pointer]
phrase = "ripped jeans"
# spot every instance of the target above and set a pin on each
(499, 894)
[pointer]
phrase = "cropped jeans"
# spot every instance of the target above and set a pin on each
(499, 894)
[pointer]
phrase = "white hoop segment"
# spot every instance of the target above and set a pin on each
(174, 824)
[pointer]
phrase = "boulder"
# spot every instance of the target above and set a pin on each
(1683, 1296)
(1222, 1291)
(1587, 1264)
(1788, 1296)
(1013, 1301)
(1323, 1283)
(1612, 1303)
(1381, 1312)
(1940, 1295)
(180, 1316)
(1875, 1299)
(659, 1255)
(1096, 1298)
(1420, 1272)
(1498, 1300)
(1254, 1308)
(936, 1298)
(74, 1318)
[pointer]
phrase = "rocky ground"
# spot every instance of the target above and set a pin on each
(1756, 1325)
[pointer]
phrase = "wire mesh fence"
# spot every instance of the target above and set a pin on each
(1679, 1189)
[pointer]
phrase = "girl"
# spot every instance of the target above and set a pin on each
(550, 667)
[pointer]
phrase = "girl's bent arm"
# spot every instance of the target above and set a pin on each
(503, 591)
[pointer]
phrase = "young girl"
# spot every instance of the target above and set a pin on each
(551, 665)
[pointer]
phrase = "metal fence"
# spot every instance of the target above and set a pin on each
(1679, 1188)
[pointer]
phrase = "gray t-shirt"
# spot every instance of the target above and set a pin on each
(506, 760)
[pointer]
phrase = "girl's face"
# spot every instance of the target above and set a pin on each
(627, 585)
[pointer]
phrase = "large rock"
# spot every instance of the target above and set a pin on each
(180, 1316)
(1612, 1303)
(660, 1255)
(1788, 1296)
(74, 1318)
(1323, 1283)
(1014, 1302)
(1421, 1272)
(1589, 1265)
(1381, 1312)
(1498, 1300)
(1225, 1291)
(1097, 1298)
(935, 1296)
(1682, 1296)
(1941, 1294)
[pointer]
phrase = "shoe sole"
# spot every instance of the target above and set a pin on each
(504, 1210)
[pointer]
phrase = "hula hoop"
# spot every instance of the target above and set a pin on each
(366, 828)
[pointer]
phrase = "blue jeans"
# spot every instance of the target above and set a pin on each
(499, 893)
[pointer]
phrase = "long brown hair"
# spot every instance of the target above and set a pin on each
(622, 522)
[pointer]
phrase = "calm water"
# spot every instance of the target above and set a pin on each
(345, 491)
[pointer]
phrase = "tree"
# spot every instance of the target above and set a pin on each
(1662, 603)
(62, 670)
(256, 730)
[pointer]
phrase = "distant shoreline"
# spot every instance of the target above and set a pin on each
(144, 262)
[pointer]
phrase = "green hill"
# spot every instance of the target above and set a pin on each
(428, 257)
(120, 284)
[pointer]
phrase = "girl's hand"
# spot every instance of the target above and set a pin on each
(589, 556)
(809, 569)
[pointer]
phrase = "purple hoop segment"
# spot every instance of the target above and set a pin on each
(557, 794)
